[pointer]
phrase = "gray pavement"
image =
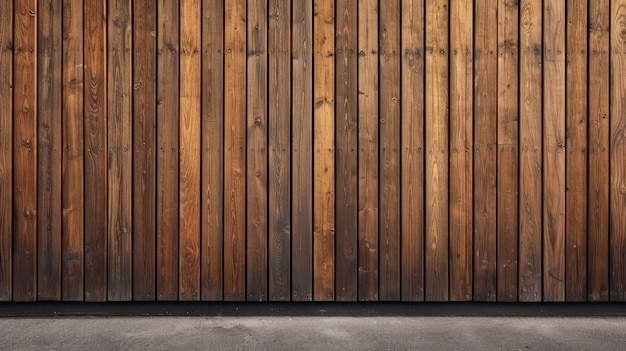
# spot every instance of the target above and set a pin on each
(313, 333)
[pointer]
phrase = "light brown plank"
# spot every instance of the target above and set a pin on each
(323, 143)
(368, 150)
(212, 224)
(235, 157)
(461, 118)
(598, 138)
(49, 81)
(485, 139)
(437, 128)
(25, 151)
(279, 124)
(576, 152)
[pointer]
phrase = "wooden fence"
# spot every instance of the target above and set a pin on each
(313, 150)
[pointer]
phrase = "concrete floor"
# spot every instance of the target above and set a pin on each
(313, 333)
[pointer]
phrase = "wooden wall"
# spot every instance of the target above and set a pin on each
(437, 150)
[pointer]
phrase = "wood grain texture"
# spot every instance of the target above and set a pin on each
(212, 200)
(368, 72)
(412, 147)
(576, 152)
(25, 151)
(190, 145)
(389, 162)
(346, 154)
(6, 152)
(530, 226)
(302, 152)
(598, 148)
(437, 129)
(144, 151)
(508, 166)
(257, 119)
(49, 134)
(120, 150)
(617, 195)
(235, 157)
(168, 90)
(461, 139)
(324, 145)
(73, 153)
(279, 124)
(485, 159)
(554, 151)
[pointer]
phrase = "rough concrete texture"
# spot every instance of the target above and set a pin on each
(313, 333)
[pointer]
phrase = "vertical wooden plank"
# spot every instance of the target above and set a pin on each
(212, 224)
(368, 150)
(25, 151)
(530, 287)
(554, 153)
(598, 124)
(95, 139)
(618, 150)
(389, 225)
(461, 118)
(190, 117)
(73, 182)
(257, 155)
(346, 152)
(144, 147)
(412, 162)
(6, 151)
(49, 126)
(302, 152)
(485, 139)
(576, 153)
(120, 150)
(437, 127)
(235, 158)
(508, 169)
(324, 144)
(168, 152)
(279, 124)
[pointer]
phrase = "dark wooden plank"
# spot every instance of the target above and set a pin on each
(49, 156)
(235, 158)
(618, 150)
(461, 118)
(302, 152)
(212, 224)
(120, 151)
(346, 152)
(508, 166)
(368, 150)
(554, 151)
(168, 152)
(73, 165)
(598, 139)
(6, 151)
(25, 151)
(144, 147)
(412, 139)
(95, 95)
(530, 226)
(485, 139)
(324, 144)
(437, 128)
(389, 225)
(190, 145)
(257, 119)
(576, 152)
(279, 123)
